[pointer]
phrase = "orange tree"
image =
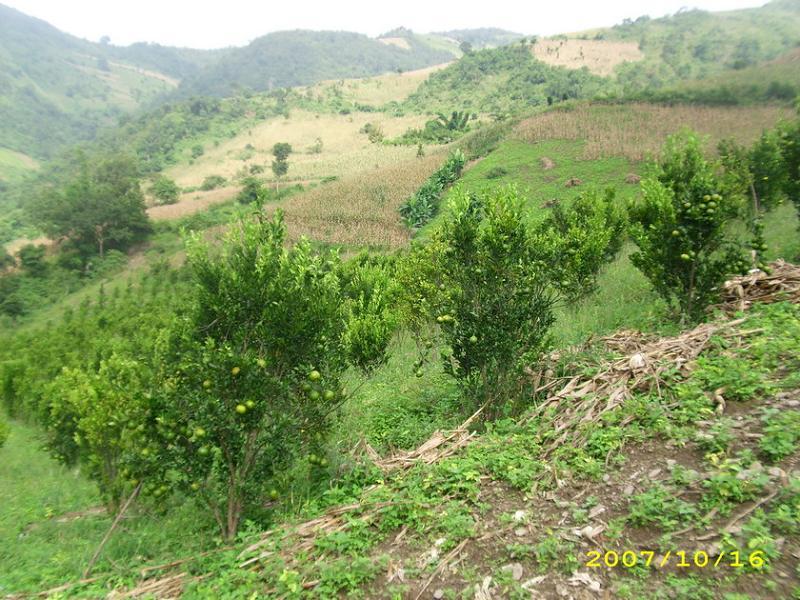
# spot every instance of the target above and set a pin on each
(486, 283)
(250, 375)
(680, 227)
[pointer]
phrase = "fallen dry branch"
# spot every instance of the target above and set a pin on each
(781, 283)
(441, 567)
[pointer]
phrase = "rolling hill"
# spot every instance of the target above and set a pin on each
(292, 58)
(56, 89)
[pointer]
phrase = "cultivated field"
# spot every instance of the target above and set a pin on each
(377, 91)
(636, 131)
(599, 56)
(360, 210)
(345, 150)
(190, 203)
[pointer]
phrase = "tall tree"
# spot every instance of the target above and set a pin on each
(103, 206)
(280, 166)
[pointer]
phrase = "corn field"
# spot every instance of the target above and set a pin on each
(637, 131)
(360, 210)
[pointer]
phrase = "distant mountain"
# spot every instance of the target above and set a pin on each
(290, 58)
(483, 37)
(56, 89)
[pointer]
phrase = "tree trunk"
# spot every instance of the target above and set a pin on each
(99, 233)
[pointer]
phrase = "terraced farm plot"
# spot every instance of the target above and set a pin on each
(637, 131)
(344, 151)
(599, 56)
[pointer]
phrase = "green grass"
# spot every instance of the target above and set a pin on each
(37, 551)
(33, 489)
(519, 163)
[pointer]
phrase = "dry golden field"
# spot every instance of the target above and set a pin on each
(361, 209)
(344, 149)
(191, 203)
(396, 41)
(636, 131)
(599, 56)
(377, 91)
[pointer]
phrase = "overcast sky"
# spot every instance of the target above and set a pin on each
(220, 23)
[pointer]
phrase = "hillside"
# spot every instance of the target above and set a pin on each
(293, 58)
(698, 44)
(649, 468)
(56, 89)
(501, 80)
(718, 57)
(263, 340)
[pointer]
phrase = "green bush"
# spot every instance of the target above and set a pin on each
(680, 228)
(98, 419)
(249, 378)
(481, 281)
(496, 172)
(212, 182)
(165, 190)
(252, 191)
(579, 238)
(371, 293)
(423, 206)
(790, 151)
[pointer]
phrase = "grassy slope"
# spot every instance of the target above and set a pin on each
(52, 521)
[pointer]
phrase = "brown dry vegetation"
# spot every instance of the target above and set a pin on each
(636, 131)
(360, 210)
(344, 149)
(379, 90)
(599, 56)
(188, 204)
(396, 41)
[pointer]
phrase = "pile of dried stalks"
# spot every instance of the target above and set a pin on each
(585, 399)
(782, 283)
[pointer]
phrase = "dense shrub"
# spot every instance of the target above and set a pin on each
(165, 190)
(370, 293)
(482, 282)
(4, 432)
(212, 182)
(423, 206)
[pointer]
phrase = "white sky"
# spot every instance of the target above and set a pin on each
(219, 23)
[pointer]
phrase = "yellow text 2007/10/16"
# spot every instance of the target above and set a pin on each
(683, 559)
